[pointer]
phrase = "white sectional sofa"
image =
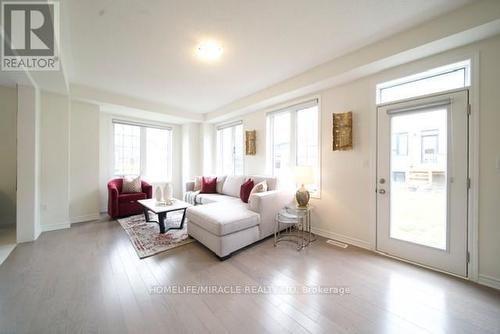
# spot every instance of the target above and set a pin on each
(224, 223)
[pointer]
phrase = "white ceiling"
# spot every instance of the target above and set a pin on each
(145, 49)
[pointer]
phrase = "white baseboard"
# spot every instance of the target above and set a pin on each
(38, 231)
(84, 218)
(492, 282)
(54, 227)
(339, 237)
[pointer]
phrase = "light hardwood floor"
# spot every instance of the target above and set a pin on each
(88, 279)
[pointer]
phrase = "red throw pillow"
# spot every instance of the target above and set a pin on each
(208, 185)
(245, 190)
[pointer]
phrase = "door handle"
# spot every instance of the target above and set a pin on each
(381, 191)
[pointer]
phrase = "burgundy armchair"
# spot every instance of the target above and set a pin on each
(125, 204)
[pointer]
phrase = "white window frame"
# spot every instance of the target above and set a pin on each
(142, 147)
(293, 109)
(218, 158)
(464, 65)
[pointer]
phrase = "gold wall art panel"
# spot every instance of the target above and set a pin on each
(342, 131)
(250, 142)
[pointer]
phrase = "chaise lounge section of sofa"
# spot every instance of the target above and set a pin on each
(224, 223)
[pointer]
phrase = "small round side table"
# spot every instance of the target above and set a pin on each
(296, 224)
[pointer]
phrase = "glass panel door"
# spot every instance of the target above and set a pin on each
(422, 194)
(418, 177)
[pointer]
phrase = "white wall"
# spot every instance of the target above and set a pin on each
(8, 155)
(84, 162)
(346, 210)
(207, 144)
(191, 154)
(28, 164)
(54, 168)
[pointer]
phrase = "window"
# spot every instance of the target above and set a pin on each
(142, 150)
(439, 79)
(230, 149)
(399, 177)
(429, 142)
(293, 140)
(127, 149)
(401, 145)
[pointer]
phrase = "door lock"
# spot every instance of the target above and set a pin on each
(381, 191)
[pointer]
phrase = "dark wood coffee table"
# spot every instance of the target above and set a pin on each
(162, 210)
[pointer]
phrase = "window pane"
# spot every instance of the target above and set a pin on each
(127, 149)
(227, 151)
(443, 78)
(400, 144)
(230, 150)
(425, 86)
(308, 141)
(281, 144)
(238, 150)
(158, 147)
(418, 186)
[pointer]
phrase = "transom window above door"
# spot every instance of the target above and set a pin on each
(293, 139)
(440, 79)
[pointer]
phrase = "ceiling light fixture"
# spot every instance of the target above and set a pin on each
(209, 50)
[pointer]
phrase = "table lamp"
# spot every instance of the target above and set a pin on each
(303, 175)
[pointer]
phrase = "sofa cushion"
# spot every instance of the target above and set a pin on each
(258, 188)
(208, 185)
(212, 198)
(245, 190)
(220, 183)
(197, 183)
(222, 219)
(271, 181)
(232, 185)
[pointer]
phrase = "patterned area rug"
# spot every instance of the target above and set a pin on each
(146, 238)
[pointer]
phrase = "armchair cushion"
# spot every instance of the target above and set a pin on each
(131, 197)
(132, 184)
(125, 204)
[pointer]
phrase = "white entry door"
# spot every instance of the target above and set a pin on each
(422, 181)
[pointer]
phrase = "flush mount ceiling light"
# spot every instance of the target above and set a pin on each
(209, 50)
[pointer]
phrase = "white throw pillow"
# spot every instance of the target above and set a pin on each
(259, 188)
(220, 183)
(132, 184)
(197, 183)
(232, 185)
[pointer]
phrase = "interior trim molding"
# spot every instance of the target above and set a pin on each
(54, 227)
(84, 218)
(489, 281)
(339, 237)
